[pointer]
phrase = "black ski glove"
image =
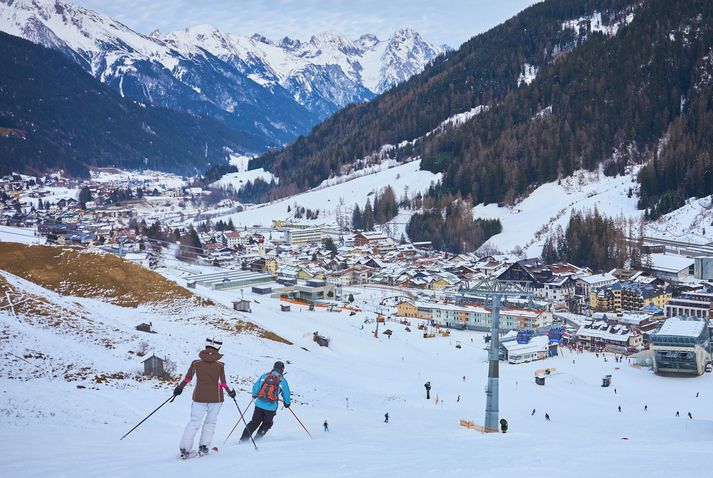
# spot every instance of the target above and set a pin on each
(231, 393)
(178, 390)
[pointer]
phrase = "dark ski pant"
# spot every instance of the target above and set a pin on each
(261, 418)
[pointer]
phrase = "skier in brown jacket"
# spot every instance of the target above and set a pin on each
(207, 397)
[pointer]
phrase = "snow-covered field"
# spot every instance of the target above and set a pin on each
(691, 223)
(335, 199)
(243, 176)
(527, 224)
(50, 427)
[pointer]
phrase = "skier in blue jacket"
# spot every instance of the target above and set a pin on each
(266, 392)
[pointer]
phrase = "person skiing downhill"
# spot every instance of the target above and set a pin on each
(326, 425)
(386, 417)
(427, 385)
(266, 392)
(207, 397)
(533, 412)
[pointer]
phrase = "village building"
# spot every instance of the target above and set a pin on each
(610, 335)
(681, 346)
(670, 267)
(474, 317)
(369, 238)
(303, 236)
(232, 239)
(585, 285)
(629, 296)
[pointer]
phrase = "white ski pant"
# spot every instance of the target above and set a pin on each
(198, 411)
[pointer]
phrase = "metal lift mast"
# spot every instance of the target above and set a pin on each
(494, 291)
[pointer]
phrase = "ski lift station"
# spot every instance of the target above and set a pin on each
(536, 348)
(229, 279)
(682, 346)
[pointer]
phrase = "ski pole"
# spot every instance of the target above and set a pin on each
(299, 421)
(246, 423)
(171, 398)
(238, 422)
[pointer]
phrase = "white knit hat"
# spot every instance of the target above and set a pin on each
(214, 342)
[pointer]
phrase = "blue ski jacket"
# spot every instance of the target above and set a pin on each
(266, 404)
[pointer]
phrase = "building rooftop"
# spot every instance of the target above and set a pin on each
(682, 327)
(670, 262)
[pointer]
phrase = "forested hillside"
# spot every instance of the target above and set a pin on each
(55, 115)
(481, 72)
(610, 101)
(616, 83)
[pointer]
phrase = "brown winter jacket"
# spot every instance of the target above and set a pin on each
(210, 380)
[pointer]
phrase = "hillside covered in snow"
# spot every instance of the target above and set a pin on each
(72, 386)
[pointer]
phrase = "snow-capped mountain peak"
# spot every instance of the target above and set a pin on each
(280, 88)
(324, 73)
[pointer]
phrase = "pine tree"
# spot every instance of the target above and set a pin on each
(368, 217)
(357, 220)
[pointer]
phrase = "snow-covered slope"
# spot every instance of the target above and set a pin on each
(335, 198)
(527, 224)
(690, 223)
(59, 418)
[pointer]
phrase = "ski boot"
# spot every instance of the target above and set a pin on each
(185, 454)
(202, 450)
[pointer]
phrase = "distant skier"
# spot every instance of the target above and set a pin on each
(646, 408)
(697, 394)
(533, 412)
(503, 425)
(677, 414)
(266, 392)
(690, 416)
(427, 385)
(325, 425)
(615, 390)
(207, 397)
(386, 417)
(464, 378)
(619, 408)
(547, 417)
(458, 399)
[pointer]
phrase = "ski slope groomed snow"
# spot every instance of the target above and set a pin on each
(339, 199)
(50, 427)
(527, 224)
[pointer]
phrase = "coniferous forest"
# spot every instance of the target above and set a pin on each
(590, 240)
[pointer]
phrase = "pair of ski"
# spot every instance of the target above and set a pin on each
(195, 454)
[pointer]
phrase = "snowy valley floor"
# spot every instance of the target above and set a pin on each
(51, 428)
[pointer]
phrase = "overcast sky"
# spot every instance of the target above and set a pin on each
(439, 21)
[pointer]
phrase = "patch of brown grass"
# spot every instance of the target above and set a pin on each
(248, 327)
(82, 273)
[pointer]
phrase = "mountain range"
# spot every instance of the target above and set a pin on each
(273, 90)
